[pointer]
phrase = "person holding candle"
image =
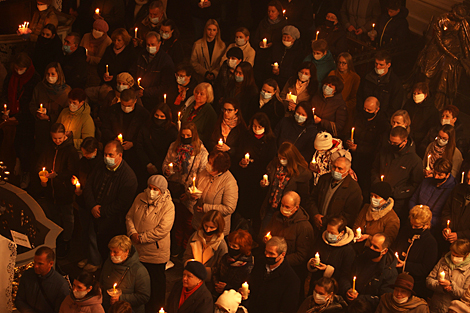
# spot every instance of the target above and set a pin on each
(149, 222)
(170, 41)
(322, 58)
(455, 265)
(225, 80)
(124, 81)
(417, 249)
(325, 298)
(269, 28)
(86, 296)
(304, 85)
(73, 61)
(124, 269)
(183, 88)
(46, 14)
(136, 11)
(156, 15)
(207, 244)
(48, 48)
(111, 11)
(268, 102)
(333, 32)
(242, 41)
(335, 251)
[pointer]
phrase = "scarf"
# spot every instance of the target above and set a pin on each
(16, 88)
(300, 86)
(183, 155)
(436, 152)
(317, 308)
(117, 51)
(194, 112)
(452, 266)
(391, 306)
(60, 86)
(227, 126)
(280, 182)
(275, 21)
(94, 44)
(185, 294)
(263, 101)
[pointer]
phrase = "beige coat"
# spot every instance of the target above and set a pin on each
(79, 123)
(219, 193)
(153, 224)
(96, 57)
(200, 57)
(248, 53)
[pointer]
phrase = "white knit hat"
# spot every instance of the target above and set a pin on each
(323, 141)
(229, 300)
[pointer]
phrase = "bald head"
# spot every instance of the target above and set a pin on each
(371, 104)
(292, 197)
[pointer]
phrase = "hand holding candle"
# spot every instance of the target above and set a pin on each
(171, 169)
(97, 11)
(265, 42)
(428, 168)
(317, 259)
(442, 276)
(358, 232)
(265, 180)
(114, 292)
(352, 134)
(42, 175)
(23, 28)
(354, 284)
(275, 66)
(245, 290)
(221, 142)
(292, 97)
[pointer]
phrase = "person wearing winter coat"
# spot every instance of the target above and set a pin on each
(270, 27)
(333, 31)
(148, 223)
(375, 271)
(335, 251)
(73, 61)
(324, 299)
(268, 102)
(124, 269)
(190, 295)
(207, 244)
(392, 27)
(48, 48)
(46, 14)
(330, 109)
(358, 16)
(335, 193)
(86, 296)
(322, 58)
(378, 216)
(402, 298)
(417, 249)
(76, 118)
(450, 277)
(242, 41)
(113, 12)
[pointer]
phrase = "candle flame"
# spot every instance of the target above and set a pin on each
(75, 180)
(354, 278)
(114, 286)
(97, 11)
(382, 177)
(43, 169)
(396, 254)
(138, 80)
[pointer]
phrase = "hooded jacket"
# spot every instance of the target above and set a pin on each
(325, 65)
(132, 278)
(79, 123)
(332, 111)
(152, 220)
(90, 305)
(298, 233)
(457, 211)
(413, 305)
(393, 30)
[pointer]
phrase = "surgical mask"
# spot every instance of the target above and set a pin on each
(209, 168)
(286, 212)
(328, 91)
(418, 98)
(97, 34)
(127, 109)
(299, 118)
(186, 141)
(79, 294)
(336, 175)
(116, 259)
(442, 142)
(258, 131)
(270, 260)
(456, 260)
(240, 41)
(152, 50)
(73, 107)
(287, 43)
(233, 252)
(319, 299)
(283, 162)
(303, 77)
(380, 71)
(181, 80)
(374, 202)
(238, 79)
(331, 238)
(318, 57)
(400, 301)
(21, 72)
(165, 35)
(266, 95)
(42, 7)
(67, 49)
(121, 88)
(154, 20)
(232, 64)
(445, 121)
(153, 194)
(52, 79)
(111, 162)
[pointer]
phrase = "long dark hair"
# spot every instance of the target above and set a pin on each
(248, 75)
(264, 121)
(450, 147)
(165, 110)
(295, 160)
(88, 280)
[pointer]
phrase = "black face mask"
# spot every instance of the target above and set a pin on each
(186, 141)
(210, 233)
(329, 24)
(270, 260)
(438, 181)
(43, 40)
(368, 115)
(233, 252)
(394, 148)
(159, 122)
(370, 254)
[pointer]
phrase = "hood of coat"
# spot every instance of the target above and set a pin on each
(65, 144)
(162, 198)
(346, 239)
(383, 210)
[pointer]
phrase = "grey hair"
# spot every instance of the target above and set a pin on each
(278, 242)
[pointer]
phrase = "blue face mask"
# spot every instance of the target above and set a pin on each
(67, 49)
(331, 238)
(238, 79)
(110, 162)
(266, 95)
(336, 175)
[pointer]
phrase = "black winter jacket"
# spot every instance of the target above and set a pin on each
(199, 302)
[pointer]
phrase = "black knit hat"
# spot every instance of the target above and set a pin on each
(382, 189)
(235, 52)
(197, 269)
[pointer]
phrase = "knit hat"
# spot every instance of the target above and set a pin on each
(382, 189)
(235, 52)
(459, 307)
(404, 281)
(197, 269)
(323, 141)
(158, 181)
(101, 26)
(291, 31)
(126, 78)
(229, 300)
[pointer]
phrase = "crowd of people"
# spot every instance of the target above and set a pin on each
(279, 177)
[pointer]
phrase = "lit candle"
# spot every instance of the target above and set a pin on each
(86, 51)
(77, 186)
(292, 97)
(265, 42)
(135, 31)
(427, 166)
(463, 178)
(40, 106)
(120, 138)
(164, 98)
(161, 311)
(317, 259)
(138, 82)
(316, 37)
(179, 121)
(170, 167)
(194, 181)
(268, 236)
(358, 232)
(396, 255)
(97, 11)
(247, 157)
(354, 283)
(314, 161)
(5, 108)
(276, 66)
(283, 12)
(442, 276)
(107, 69)
(352, 134)
(42, 175)
(265, 179)
(115, 284)
(313, 111)
(448, 223)
(221, 142)
(22, 29)
(373, 25)
(245, 290)
(382, 177)
(114, 292)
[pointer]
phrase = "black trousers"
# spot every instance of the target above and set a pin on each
(157, 285)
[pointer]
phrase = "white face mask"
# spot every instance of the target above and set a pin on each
(380, 71)
(42, 7)
(303, 77)
(127, 109)
(445, 121)
(259, 131)
(375, 202)
(153, 194)
(52, 79)
(442, 142)
(209, 168)
(418, 98)
(240, 41)
(79, 294)
(73, 107)
(152, 50)
(328, 91)
(181, 80)
(318, 56)
(300, 118)
(319, 299)
(232, 63)
(286, 212)
(121, 88)
(266, 95)
(165, 35)
(283, 162)
(456, 260)
(400, 301)
(97, 34)
(21, 72)
(287, 43)
(117, 259)
(155, 20)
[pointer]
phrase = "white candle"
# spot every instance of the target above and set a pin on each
(442, 276)
(221, 142)
(77, 186)
(97, 11)
(463, 178)
(427, 166)
(5, 109)
(316, 37)
(107, 69)
(247, 157)
(265, 179)
(354, 283)
(382, 177)
(352, 134)
(170, 167)
(164, 98)
(276, 66)
(265, 42)
(314, 161)
(317, 259)
(396, 255)
(194, 181)
(313, 111)
(245, 290)
(161, 311)
(120, 138)
(358, 232)
(292, 97)
(135, 31)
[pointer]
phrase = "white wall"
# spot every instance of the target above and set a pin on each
(422, 11)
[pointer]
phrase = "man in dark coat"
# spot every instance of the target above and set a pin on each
(156, 69)
(392, 27)
(336, 193)
(109, 193)
(382, 84)
(273, 283)
(401, 167)
(73, 62)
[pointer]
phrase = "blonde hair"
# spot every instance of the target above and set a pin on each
(218, 40)
(406, 118)
(122, 242)
(208, 89)
(421, 214)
